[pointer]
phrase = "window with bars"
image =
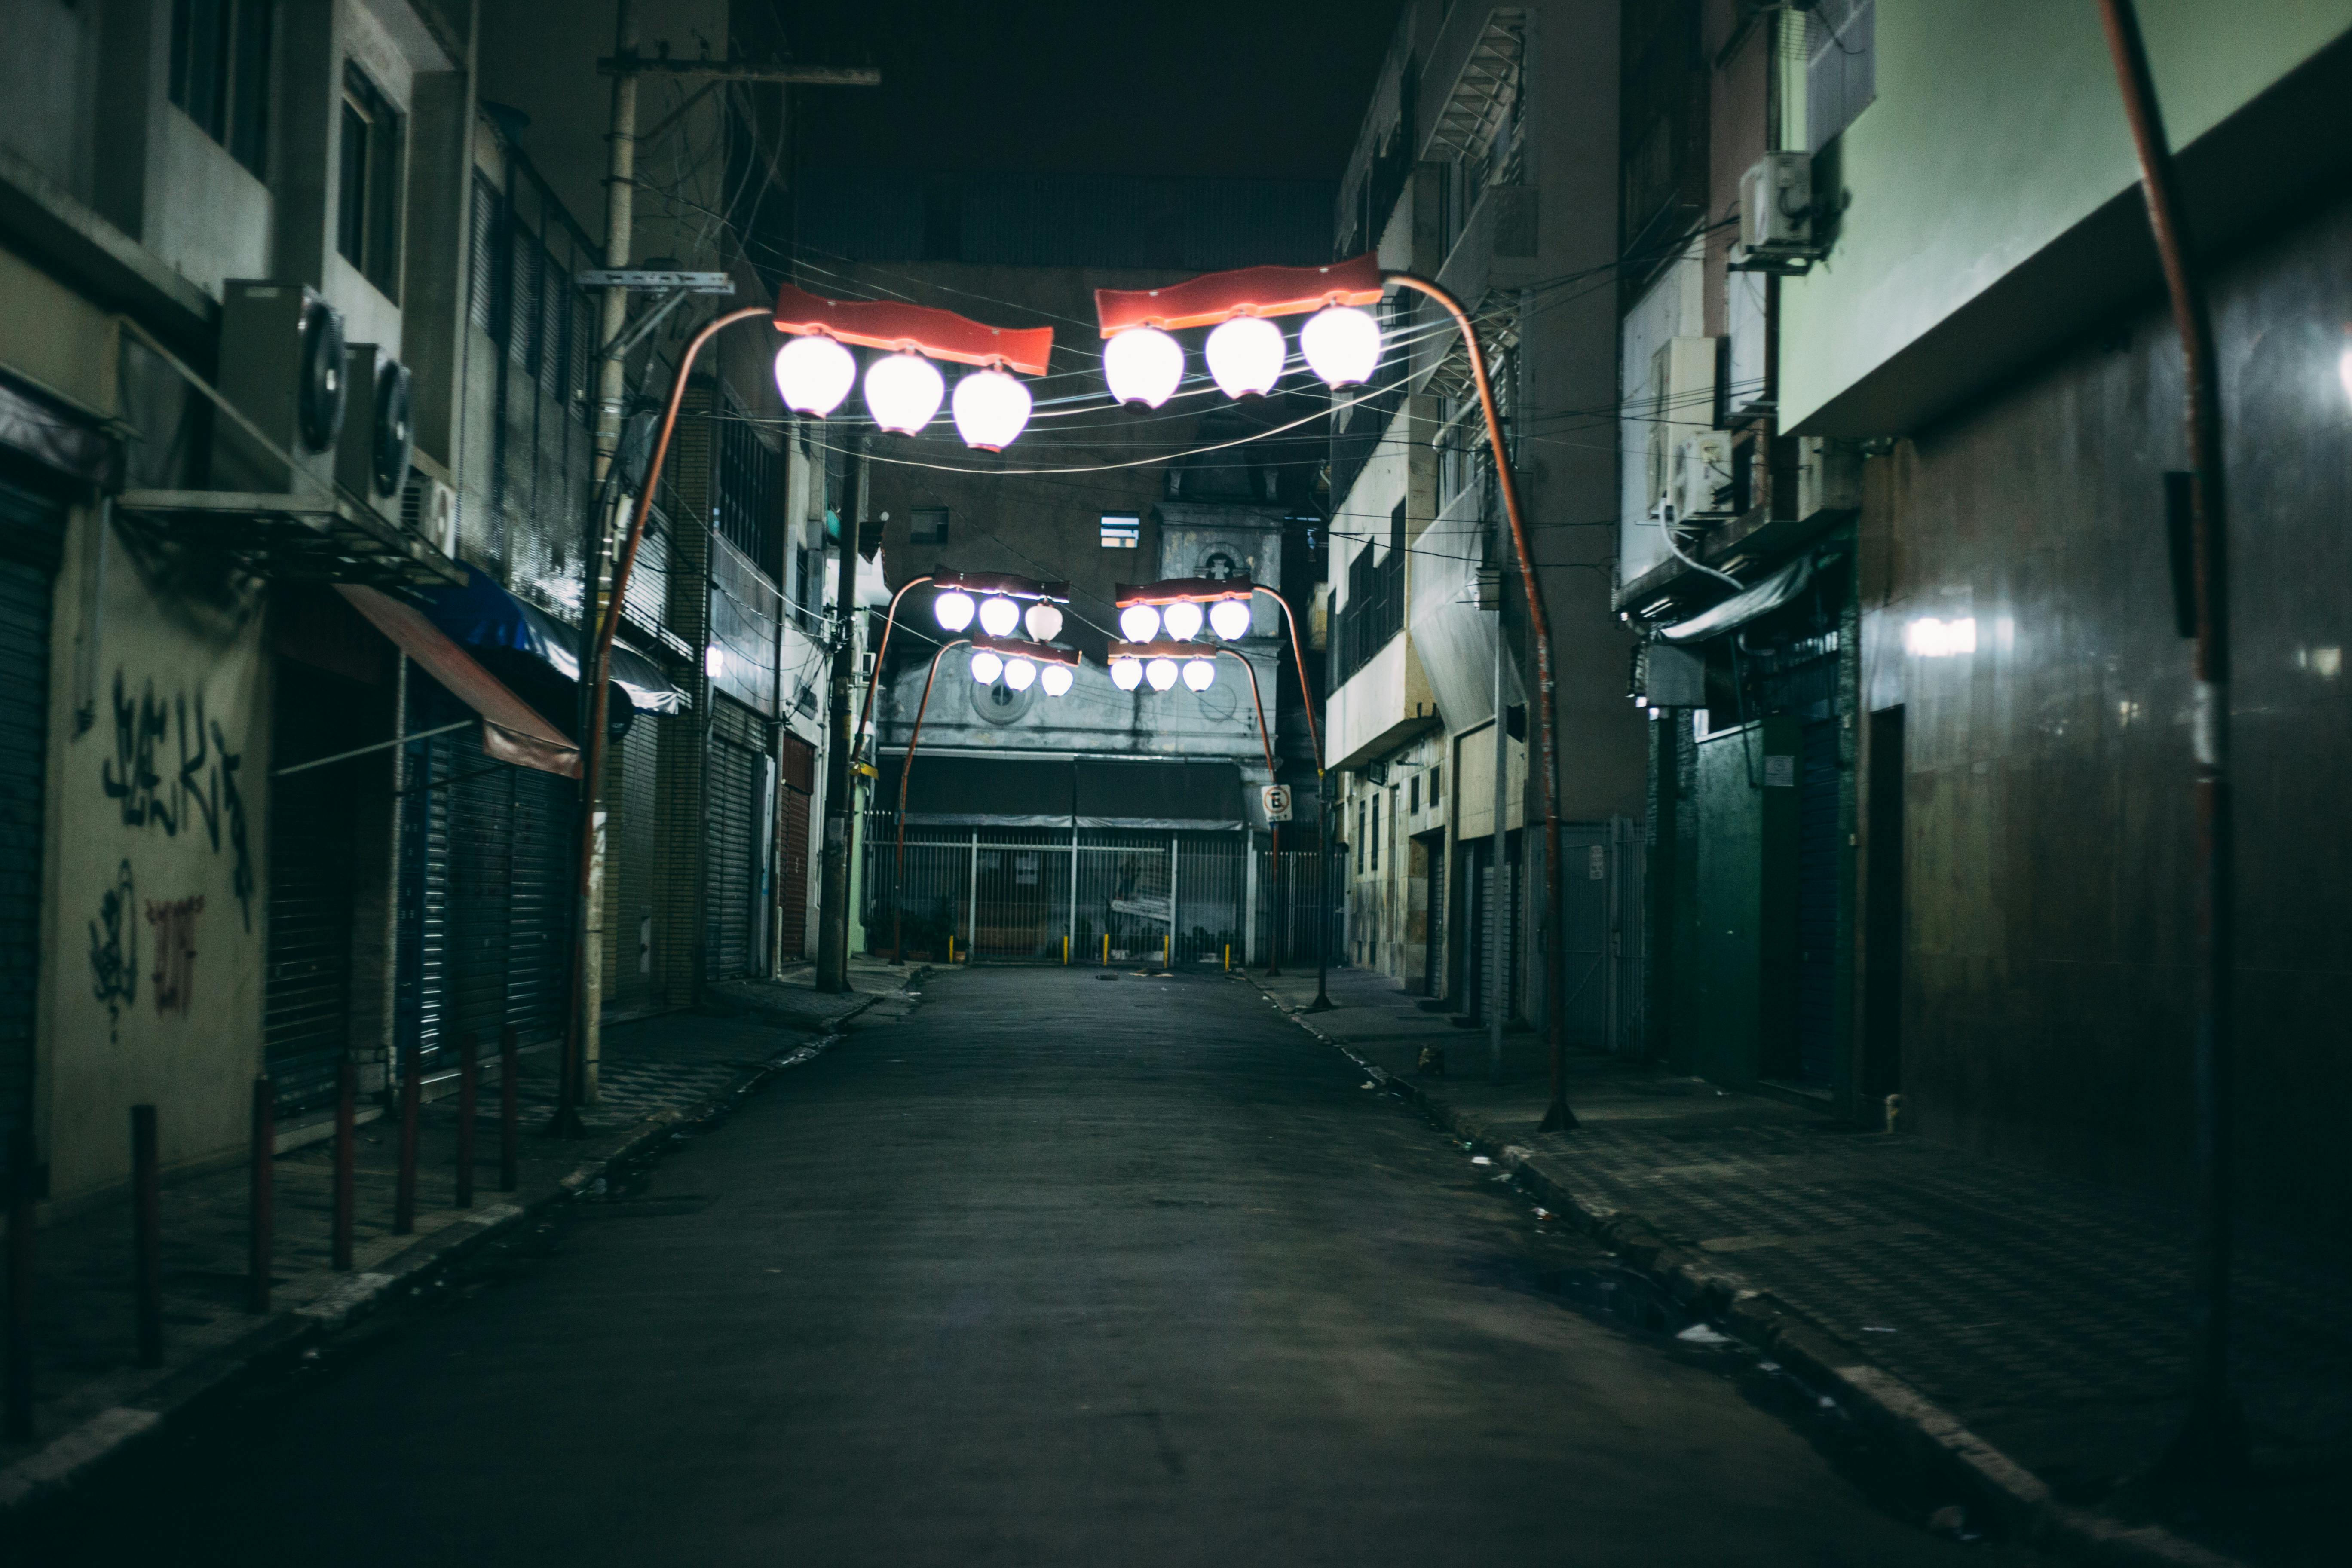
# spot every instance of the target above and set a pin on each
(745, 500)
(220, 73)
(368, 192)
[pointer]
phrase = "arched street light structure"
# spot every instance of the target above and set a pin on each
(810, 380)
(1335, 349)
(959, 598)
(1045, 664)
(1177, 607)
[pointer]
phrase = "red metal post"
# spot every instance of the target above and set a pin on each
(19, 1369)
(404, 1198)
(469, 1081)
(347, 1079)
(905, 766)
(881, 651)
(509, 1124)
(146, 1236)
(262, 1197)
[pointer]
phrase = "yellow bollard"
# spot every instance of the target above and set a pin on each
(1164, 952)
(1106, 950)
(950, 950)
(1065, 953)
(1229, 957)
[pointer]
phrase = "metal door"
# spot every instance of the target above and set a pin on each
(307, 979)
(1586, 852)
(798, 780)
(1817, 902)
(1020, 898)
(1125, 893)
(729, 871)
(544, 869)
(31, 527)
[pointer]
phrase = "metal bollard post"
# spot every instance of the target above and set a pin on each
(468, 1082)
(261, 1221)
(146, 1238)
(404, 1199)
(19, 1369)
(347, 1085)
(510, 1118)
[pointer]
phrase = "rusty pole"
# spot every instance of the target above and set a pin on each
(905, 766)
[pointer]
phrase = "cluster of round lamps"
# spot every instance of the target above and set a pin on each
(903, 391)
(1246, 355)
(998, 615)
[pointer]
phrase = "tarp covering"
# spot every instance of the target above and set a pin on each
(1176, 796)
(1024, 791)
(481, 615)
(1746, 606)
(512, 730)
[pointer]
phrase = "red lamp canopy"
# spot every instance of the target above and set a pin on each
(1248, 292)
(1183, 590)
(914, 329)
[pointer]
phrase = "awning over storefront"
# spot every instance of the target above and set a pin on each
(481, 615)
(1175, 796)
(1762, 599)
(512, 730)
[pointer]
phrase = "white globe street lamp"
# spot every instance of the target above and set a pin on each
(991, 409)
(1139, 623)
(1043, 621)
(1161, 673)
(1127, 674)
(1143, 364)
(1230, 618)
(986, 667)
(903, 391)
(1342, 345)
(814, 373)
(953, 609)
(1057, 678)
(1019, 673)
(998, 615)
(1246, 356)
(1184, 620)
(1199, 674)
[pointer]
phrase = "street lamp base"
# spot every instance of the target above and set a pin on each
(566, 1124)
(1322, 1004)
(1559, 1117)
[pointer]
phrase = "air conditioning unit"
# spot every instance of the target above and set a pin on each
(1776, 216)
(428, 508)
(1699, 489)
(1828, 475)
(281, 366)
(371, 460)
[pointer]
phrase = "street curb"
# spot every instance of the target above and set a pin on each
(50, 1474)
(1982, 1475)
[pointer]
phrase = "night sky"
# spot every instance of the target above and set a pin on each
(1251, 89)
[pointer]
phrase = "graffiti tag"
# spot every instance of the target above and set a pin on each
(203, 786)
(175, 924)
(114, 947)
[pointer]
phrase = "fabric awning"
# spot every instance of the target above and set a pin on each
(482, 614)
(512, 730)
(1762, 599)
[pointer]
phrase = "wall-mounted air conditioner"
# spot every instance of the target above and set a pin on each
(1776, 216)
(281, 366)
(1700, 488)
(1828, 475)
(428, 508)
(373, 458)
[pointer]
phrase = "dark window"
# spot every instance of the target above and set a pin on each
(1841, 75)
(1363, 810)
(928, 525)
(483, 283)
(748, 495)
(220, 72)
(367, 208)
(1437, 787)
(1413, 795)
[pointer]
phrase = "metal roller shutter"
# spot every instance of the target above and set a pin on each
(729, 860)
(30, 527)
(481, 853)
(1817, 904)
(306, 987)
(796, 783)
(542, 872)
(632, 837)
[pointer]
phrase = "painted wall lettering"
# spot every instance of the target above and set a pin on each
(201, 785)
(174, 935)
(114, 947)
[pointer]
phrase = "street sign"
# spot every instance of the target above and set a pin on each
(1278, 802)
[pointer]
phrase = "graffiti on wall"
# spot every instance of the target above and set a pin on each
(114, 947)
(142, 777)
(174, 936)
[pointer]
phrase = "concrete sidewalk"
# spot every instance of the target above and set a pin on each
(2027, 1334)
(91, 1399)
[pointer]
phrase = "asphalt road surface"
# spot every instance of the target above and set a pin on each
(1043, 1270)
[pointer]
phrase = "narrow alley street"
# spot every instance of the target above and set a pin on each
(1035, 1266)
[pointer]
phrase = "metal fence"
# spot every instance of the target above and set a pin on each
(1042, 895)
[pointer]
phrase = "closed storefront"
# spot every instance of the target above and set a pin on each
(31, 524)
(313, 831)
(795, 785)
(738, 838)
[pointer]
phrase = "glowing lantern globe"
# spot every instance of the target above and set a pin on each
(1127, 674)
(986, 667)
(1246, 356)
(991, 410)
(998, 615)
(814, 374)
(1161, 673)
(1044, 621)
(1019, 673)
(1056, 677)
(1199, 674)
(903, 391)
(1342, 345)
(1139, 623)
(1230, 618)
(953, 609)
(1143, 364)
(1184, 620)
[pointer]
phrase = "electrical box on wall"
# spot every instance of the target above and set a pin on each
(281, 366)
(1828, 475)
(1701, 485)
(1776, 216)
(373, 456)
